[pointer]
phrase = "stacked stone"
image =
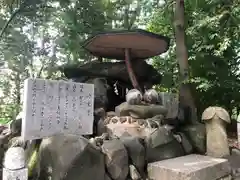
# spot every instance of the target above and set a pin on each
(133, 137)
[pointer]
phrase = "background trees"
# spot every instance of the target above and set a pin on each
(213, 47)
(44, 34)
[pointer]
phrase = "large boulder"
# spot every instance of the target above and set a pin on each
(136, 152)
(116, 159)
(145, 72)
(16, 125)
(187, 146)
(134, 174)
(196, 133)
(69, 157)
(161, 144)
(100, 92)
(171, 102)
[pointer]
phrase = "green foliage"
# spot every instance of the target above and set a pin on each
(213, 36)
(38, 36)
(45, 34)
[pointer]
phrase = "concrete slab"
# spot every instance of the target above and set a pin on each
(190, 167)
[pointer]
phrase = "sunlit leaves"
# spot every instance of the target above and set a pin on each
(213, 46)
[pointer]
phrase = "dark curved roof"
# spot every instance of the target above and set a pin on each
(142, 44)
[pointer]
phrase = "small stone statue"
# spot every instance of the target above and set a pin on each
(134, 97)
(15, 164)
(217, 143)
(151, 96)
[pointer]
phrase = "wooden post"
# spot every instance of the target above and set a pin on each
(130, 70)
(15, 164)
(185, 95)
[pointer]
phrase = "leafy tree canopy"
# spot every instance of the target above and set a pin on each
(37, 36)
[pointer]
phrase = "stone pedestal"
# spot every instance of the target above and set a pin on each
(191, 167)
(15, 164)
(21, 174)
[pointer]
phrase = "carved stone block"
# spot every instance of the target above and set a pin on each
(191, 167)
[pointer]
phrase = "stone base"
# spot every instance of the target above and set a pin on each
(20, 174)
(229, 177)
(191, 167)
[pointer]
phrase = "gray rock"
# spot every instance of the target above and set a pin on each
(140, 111)
(118, 126)
(159, 137)
(136, 152)
(161, 145)
(101, 128)
(234, 160)
(17, 142)
(100, 91)
(235, 152)
(196, 133)
(155, 121)
(70, 157)
(1, 156)
(133, 172)
(4, 138)
(170, 101)
(191, 167)
(16, 125)
(107, 177)
(116, 159)
(187, 146)
(3, 146)
(3, 127)
(98, 123)
(229, 177)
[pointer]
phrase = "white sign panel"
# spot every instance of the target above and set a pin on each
(53, 107)
(21, 174)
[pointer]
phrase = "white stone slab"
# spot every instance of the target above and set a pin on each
(171, 102)
(190, 167)
(54, 107)
(21, 174)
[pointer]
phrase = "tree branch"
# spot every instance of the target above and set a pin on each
(41, 70)
(13, 15)
(9, 21)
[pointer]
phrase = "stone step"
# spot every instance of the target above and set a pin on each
(190, 167)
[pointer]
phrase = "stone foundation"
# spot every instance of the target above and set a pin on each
(191, 167)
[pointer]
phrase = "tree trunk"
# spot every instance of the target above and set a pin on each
(17, 93)
(186, 97)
